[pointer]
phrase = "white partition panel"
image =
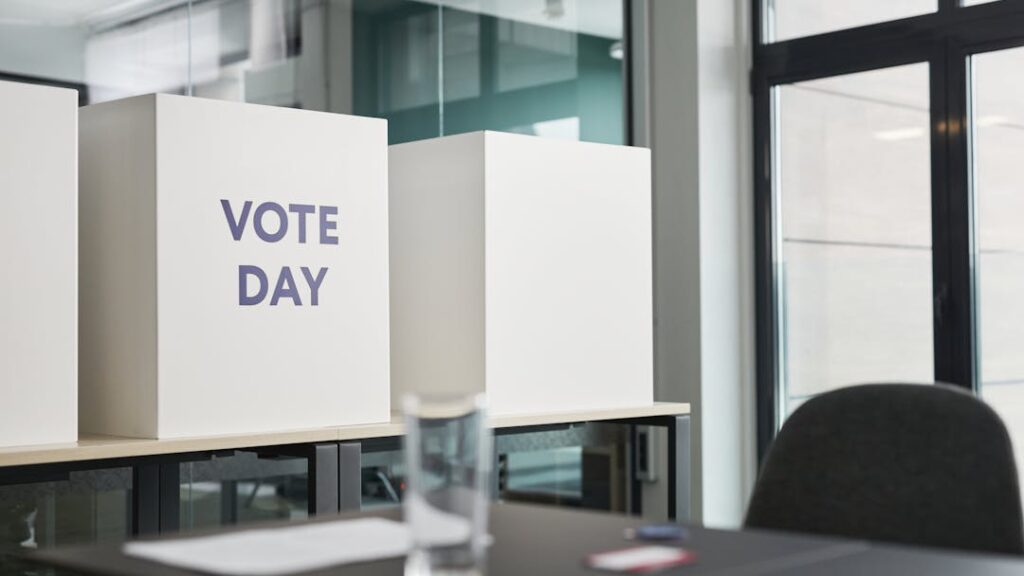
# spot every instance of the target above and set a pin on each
(38, 259)
(522, 267)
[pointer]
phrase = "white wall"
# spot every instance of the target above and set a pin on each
(53, 52)
(695, 117)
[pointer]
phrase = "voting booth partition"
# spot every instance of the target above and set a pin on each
(39, 256)
(521, 267)
(234, 268)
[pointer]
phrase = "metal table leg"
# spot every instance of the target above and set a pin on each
(229, 502)
(634, 451)
(322, 478)
(350, 476)
(156, 497)
(679, 468)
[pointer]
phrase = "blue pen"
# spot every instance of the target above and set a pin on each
(657, 532)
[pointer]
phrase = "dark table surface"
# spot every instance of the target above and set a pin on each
(535, 541)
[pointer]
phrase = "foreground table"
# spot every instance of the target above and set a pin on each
(334, 457)
(540, 541)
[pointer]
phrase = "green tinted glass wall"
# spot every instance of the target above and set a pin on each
(483, 72)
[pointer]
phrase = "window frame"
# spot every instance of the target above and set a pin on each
(945, 39)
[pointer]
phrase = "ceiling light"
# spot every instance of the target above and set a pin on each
(616, 50)
(554, 9)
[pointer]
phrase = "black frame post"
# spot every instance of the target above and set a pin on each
(156, 497)
(145, 499)
(350, 476)
(323, 478)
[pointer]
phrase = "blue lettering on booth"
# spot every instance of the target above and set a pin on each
(236, 226)
(244, 273)
(326, 224)
(314, 284)
(285, 288)
(302, 210)
(253, 283)
(258, 221)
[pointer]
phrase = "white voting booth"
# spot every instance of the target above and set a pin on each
(39, 252)
(234, 268)
(521, 267)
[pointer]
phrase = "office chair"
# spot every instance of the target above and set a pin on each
(902, 463)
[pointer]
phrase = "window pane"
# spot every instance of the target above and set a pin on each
(795, 18)
(855, 197)
(554, 72)
(998, 139)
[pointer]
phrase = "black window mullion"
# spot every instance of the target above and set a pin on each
(952, 220)
(766, 325)
(766, 279)
(963, 309)
(941, 263)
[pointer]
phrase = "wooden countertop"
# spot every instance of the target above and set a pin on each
(97, 447)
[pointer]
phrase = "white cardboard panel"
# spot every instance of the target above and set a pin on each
(39, 255)
(216, 359)
(569, 275)
(117, 271)
(437, 265)
(522, 267)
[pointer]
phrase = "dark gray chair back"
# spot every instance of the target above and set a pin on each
(910, 464)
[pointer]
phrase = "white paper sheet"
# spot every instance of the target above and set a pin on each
(272, 552)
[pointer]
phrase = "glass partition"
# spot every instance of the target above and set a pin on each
(430, 68)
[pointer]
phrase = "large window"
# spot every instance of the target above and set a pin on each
(889, 198)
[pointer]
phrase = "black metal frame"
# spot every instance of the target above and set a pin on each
(943, 39)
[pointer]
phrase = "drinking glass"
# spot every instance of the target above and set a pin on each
(448, 481)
